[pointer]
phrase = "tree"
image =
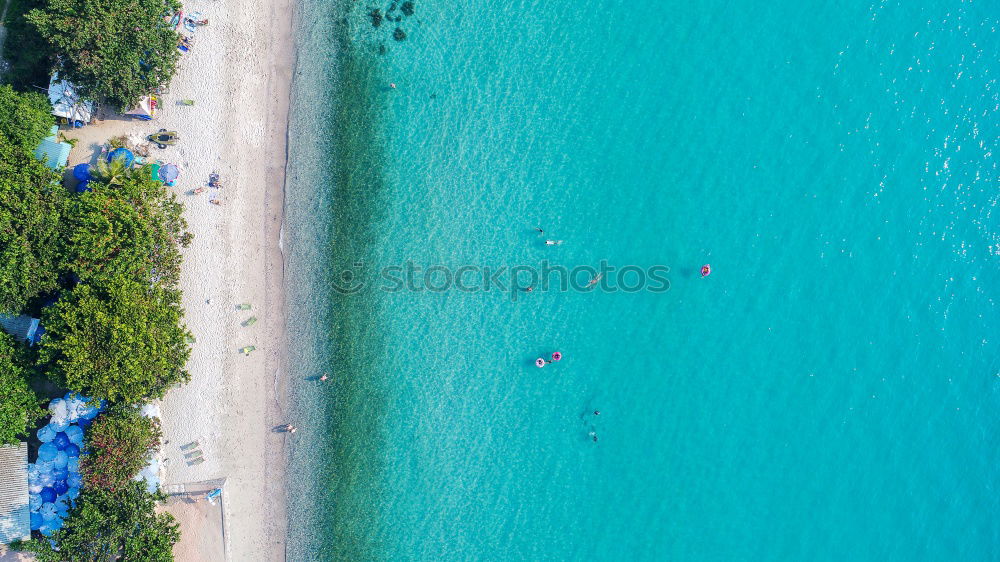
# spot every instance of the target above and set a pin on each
(122, 342)
(25, 118)
(19, 408)
(130, 228)
(118, 50)
(32, 204)
(119, 445)
(106, 526)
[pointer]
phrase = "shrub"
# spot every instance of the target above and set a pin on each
(25, 118)
(123, 342)
(119, 444)
(128, 227)
(106, 526)
(32, 205)
(19, 408)
(114, 50)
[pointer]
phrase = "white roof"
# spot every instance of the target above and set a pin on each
(67, 103)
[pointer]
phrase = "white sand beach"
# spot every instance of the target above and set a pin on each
(239, 75)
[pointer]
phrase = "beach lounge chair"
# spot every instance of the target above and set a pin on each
(246, 350)
(250, 322)
(243, 306)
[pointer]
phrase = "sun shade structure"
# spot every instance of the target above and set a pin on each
(24, 328)
(122, 154)
(55, 154)
(169, 173)
(68, 104)
(15, 518)
(146, 110)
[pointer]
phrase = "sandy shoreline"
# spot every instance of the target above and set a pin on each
(239, 74)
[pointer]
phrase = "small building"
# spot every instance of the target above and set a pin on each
(54, 153)
(15, 512)
(67, 104)
(23, 328)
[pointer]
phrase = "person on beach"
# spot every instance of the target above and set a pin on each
(289, 428)
(324, 377)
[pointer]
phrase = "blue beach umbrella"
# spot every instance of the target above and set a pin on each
(81, 172)
(73, 492)
(73, 465)
(59, 473)
(74, 480)
(75, 434)
(61, 440)
(48, 511)
(60, 487)
(122, 153)
(45, 529)
(169, 173)
(34, 502)
(36, 520)
(72, 451)
(46, 434)
(48, 495)
(61, 459)
(47, 451)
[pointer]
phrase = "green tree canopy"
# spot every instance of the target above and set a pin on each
(123, 342)
(118, 50)
(32, 205)
(106, 526)
(25, 118)
(18, 404)
(119, 445)
(128, 228)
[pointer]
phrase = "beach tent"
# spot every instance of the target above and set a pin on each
(55, 154)
(66, 103)
(146, 109)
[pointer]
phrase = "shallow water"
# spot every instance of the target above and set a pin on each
(826, 394)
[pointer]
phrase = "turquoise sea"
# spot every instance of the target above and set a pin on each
(830, 392)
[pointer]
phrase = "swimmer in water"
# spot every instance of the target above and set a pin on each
(553, 242)
(595, 280)
(593, 435)
(540, 231)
